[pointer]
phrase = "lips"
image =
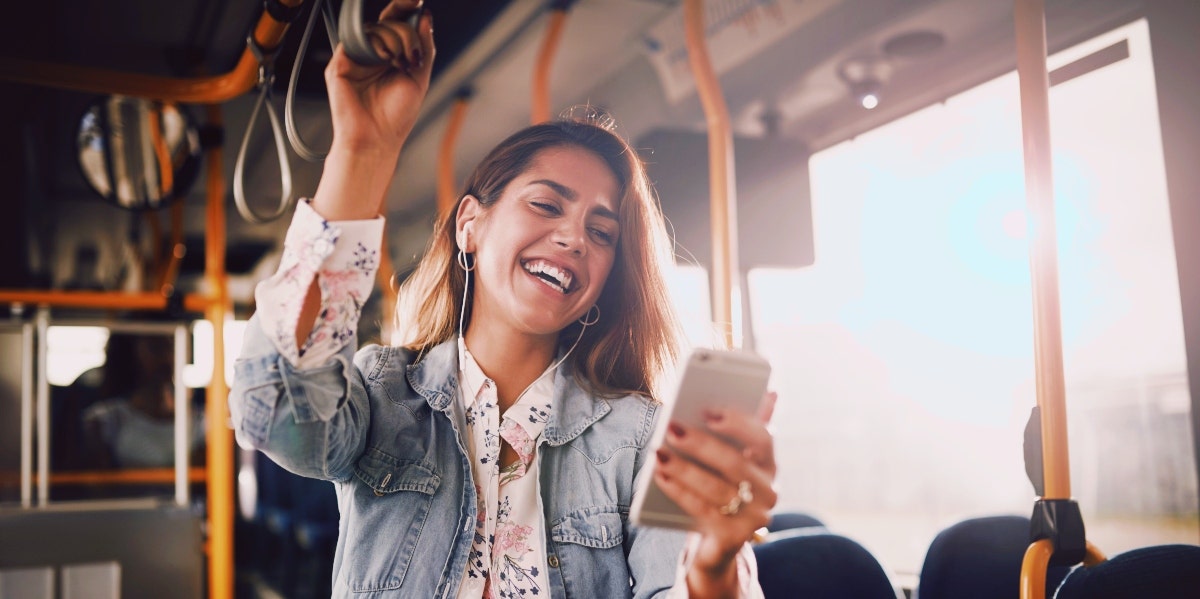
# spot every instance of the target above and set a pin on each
(556, 277)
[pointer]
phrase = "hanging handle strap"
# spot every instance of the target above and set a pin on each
(301, 148)
(266, 78)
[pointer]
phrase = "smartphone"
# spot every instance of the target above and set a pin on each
(710, 379)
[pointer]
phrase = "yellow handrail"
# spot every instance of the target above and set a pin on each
(1030, 22)
(541, 72)
(447, 188)
(1039, 195)
(385, 278)
(124, 476)
(721, 178)
(1033, 569)
(268, 33)
(115, 300)
(220, 437)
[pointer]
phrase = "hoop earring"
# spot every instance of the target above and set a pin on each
(588, 320)
(462, 262)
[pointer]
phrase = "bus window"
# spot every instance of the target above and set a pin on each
(904, 355)
(73, 350)
(688, 286)
(199, 373)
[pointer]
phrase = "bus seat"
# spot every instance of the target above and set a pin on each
(980, 558)
(1158, 572)
(274, 516)
(316, 531)
(789, 520)
(315, 512)
(274, 509)
(815, 564)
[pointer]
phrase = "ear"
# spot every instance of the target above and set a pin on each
(464, 223)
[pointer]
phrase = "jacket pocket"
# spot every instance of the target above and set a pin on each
(594, 527)
(391, 501)
(588, 556)
(385, 474)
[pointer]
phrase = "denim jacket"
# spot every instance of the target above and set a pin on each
(382, 425)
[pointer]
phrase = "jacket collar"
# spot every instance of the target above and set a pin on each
(435, 377)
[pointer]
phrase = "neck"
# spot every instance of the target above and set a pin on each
(513, 361)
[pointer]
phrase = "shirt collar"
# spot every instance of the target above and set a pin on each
(433, 375)
(531, 410)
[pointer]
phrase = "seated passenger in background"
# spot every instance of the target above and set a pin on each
(134, 425)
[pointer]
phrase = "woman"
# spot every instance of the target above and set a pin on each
(492, 450)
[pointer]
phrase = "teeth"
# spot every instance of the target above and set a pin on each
(561, 276)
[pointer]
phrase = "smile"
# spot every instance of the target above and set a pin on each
(554, 277)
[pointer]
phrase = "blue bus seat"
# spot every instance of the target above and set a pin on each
(815, 564)
(980, 558)
(1157, 572)
(788, 520)
(316, 532)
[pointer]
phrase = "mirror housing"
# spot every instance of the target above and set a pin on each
(136, 153)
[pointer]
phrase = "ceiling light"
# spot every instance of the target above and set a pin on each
(865, 77)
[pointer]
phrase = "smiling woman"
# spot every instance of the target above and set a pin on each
(503, 430)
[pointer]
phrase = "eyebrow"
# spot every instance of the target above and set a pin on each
(570, 194)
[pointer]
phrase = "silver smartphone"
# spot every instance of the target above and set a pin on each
(710, 378)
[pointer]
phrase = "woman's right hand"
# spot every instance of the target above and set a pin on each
(375, 107)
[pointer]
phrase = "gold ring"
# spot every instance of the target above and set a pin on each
(743, 496)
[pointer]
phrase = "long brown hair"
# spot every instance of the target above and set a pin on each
(637, 336)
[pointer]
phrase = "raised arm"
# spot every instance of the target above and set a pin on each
(374, 109)
(298, 392)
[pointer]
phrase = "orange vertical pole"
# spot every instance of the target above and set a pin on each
(1039, 196)
(1030, 20)
(220, 437)
(721, 178)
(176, 249)
(541, 72)
(383, 278)
(447, 187)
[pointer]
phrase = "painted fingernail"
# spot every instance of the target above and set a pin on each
(663, 456)
(676, 430)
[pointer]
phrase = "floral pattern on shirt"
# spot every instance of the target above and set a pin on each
(508, 553)
(343, 256)
(519, 440)
(514, 577)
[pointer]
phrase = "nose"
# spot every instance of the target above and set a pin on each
(571, 236)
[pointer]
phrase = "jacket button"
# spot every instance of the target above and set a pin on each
(553, 561)
(378, 493)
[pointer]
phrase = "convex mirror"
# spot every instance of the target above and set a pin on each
(137, 153)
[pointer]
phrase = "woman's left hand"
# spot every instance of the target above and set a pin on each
(722, 475)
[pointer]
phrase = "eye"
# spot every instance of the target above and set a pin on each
(545, 207)
(602, 236)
